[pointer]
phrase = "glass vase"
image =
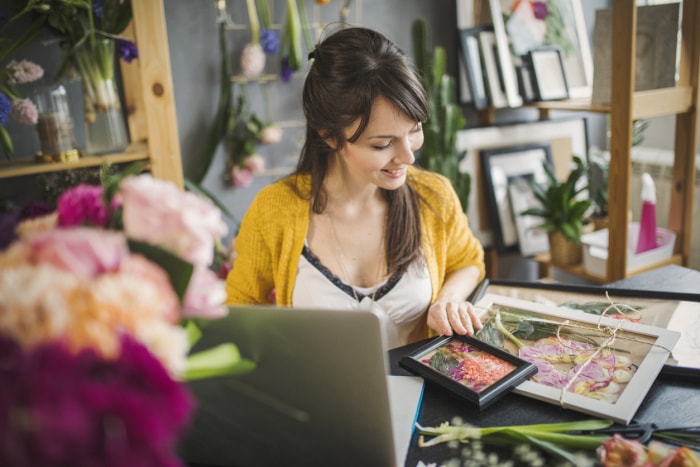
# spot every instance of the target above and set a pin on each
(105, 127)
(54, 125)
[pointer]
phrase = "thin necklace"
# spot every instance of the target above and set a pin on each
(341, 258)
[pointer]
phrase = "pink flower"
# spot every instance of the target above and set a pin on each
(252, 61)
(271, 134)
(24, 111)
(620, 452)
(255, 163)
(241, 178)
(84, 252)
(82, 205)
(159, 213)
(205, 295)
(24, 72)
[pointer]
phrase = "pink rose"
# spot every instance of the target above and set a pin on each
(271, 134)
(255, 163)
(159, 213)
(85, 252)
(241, 178)
(205, 295)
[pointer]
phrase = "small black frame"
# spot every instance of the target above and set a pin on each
(478, 392)
(548, 73)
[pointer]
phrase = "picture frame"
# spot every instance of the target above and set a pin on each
(532, 239)
(566, 136)
(669, 310)
(592, 364)
(471, 58)
(469, 368)
(504, 58)
(525, 31)
(492, 71)
(502, 167)
(548, 73)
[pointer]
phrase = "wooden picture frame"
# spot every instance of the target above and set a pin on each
(526, 31)
(471, 58)
(548, 73)
(566, 136)
(670, 310)
(501, 168)
(469, 368)
(592, 364)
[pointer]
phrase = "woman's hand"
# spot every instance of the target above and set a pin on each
(447, 317)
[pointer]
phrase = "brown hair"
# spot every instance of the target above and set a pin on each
(351, 68)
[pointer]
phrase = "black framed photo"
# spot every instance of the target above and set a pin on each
(548, 73)
(472, 369)
(469, 44)
(503, 168)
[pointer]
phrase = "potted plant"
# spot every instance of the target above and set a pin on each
(563, 212)
(440, 152)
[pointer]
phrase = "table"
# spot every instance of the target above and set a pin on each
(673, 399)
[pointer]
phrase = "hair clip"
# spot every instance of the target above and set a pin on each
(312, 55)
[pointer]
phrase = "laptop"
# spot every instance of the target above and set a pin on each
(319, 395)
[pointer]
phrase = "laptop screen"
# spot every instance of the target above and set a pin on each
(318, 395)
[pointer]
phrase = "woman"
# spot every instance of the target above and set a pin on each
(356, 225)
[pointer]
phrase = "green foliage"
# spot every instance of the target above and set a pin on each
(439, 153)
(560, 208)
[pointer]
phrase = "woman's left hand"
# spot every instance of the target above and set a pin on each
(447, 317)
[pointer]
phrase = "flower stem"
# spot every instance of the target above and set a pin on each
(254, 22)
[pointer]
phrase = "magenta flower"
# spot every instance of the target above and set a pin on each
(82, 205)
(61, 408)
(539, 9)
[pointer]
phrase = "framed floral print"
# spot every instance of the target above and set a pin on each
(598, 365)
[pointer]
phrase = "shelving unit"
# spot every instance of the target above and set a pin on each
(150, 105)
(627, 106)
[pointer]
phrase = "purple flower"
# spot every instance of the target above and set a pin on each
(58, 407)
(127, 50)
(8, 223)
(286, 71)
(82, 205)
(5, 108)
(35, 209)
(540, 10)
(269, 41)
(98, 9)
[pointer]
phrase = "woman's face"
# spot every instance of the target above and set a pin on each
(384, 150)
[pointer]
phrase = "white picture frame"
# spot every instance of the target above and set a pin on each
(646, 348)
(532, 240)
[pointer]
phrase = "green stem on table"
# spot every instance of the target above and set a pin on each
(507, 333)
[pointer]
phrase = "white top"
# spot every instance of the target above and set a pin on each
(400, 302)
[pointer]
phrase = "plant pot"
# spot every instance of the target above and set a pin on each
(599, 222)
(564, 252)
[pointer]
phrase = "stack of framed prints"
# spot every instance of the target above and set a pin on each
(601, 364)
(501, 186)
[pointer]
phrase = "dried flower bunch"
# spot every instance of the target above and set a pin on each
(11, 104)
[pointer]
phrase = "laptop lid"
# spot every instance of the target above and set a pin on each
(318, 395)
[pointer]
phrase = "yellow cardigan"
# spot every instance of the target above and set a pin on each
(273, 230)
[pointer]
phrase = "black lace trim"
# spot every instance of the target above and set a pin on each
(338, 282)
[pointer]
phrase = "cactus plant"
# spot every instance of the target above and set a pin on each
(439, 152)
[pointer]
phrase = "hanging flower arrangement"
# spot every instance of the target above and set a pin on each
(245, 131)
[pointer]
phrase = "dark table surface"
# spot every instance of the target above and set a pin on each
(672, 399)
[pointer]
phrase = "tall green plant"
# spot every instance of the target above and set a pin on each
(439, 152)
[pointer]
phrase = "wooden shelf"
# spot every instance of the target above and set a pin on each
(681, 101)
(135, 152)
(150, 104)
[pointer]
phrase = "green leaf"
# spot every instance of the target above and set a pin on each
(222, 360)
(6, 142)
(179, 271)
(194, 333)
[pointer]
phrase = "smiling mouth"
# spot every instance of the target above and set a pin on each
(395, 171)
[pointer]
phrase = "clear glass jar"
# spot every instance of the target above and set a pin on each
(55, 125)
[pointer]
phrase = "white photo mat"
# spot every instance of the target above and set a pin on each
(649, 361)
